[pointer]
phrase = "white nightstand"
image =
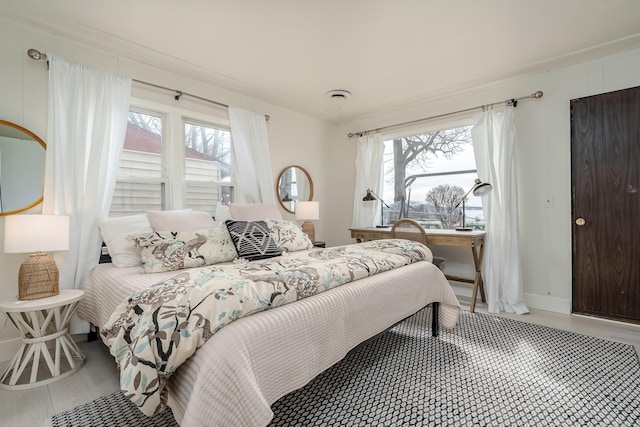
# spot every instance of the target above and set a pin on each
(43, 324)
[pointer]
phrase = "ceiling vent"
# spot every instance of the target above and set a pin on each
(338, 94)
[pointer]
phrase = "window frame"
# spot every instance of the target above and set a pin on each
(450, 122)
(232, 167)
(173, 148)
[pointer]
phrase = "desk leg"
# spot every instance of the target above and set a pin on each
(477, 282)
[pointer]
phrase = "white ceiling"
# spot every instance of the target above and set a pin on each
(386, 53)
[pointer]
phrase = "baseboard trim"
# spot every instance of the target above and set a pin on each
(541, 302)
(462, 289)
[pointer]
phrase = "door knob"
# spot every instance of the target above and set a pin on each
(580, 221)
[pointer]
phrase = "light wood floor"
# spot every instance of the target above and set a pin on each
(98, 377)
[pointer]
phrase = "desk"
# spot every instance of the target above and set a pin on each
(438, 237)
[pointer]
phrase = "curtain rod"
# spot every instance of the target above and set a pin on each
(37, 55)
(512, 101)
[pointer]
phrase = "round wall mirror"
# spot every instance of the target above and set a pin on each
(22, 156)
(294, 185)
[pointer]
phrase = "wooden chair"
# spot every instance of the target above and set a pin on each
(409, 229)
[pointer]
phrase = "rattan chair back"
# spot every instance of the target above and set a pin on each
(409, 229)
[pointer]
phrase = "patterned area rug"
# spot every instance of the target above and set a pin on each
(488, 371)
(114, 410)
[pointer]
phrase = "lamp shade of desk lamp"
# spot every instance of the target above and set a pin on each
(479, 189)
(372, 197)
(37, 234)
(308, 211)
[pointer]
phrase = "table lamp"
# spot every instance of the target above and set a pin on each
(308, 211)
(371, 197)
(479, 189)
(36, 234)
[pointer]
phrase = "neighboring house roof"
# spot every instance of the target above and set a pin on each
(139, 139)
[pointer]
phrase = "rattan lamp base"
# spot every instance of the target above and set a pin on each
(38, 277)
(309, 229)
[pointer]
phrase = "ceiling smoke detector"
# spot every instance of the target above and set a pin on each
(338, 94)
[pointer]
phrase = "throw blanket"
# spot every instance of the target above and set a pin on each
(156, 330)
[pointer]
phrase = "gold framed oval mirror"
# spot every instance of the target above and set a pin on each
(22, 156)
(294, 184)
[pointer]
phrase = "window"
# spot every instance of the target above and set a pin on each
(426, 176)
(190, 167)
(207, 165)
(141, 178)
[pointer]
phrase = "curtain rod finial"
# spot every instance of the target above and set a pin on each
(538, 94)
(36, 54)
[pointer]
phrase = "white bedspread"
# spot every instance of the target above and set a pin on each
(246, 366)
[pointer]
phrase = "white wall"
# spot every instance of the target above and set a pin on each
(543, 128)
(294, 138)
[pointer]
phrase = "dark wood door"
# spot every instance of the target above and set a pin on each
(605, 184)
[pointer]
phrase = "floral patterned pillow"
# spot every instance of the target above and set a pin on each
(170, 250)
(288, 235)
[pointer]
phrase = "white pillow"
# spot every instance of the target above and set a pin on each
(254, 212)
(114, 232)
(222, 213)
(179, 221)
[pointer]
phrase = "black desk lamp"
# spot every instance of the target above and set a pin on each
(370, 197)
(479, 189)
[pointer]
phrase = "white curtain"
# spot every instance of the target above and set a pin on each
(494, 142)
(87, 122)
(369, 162)
(251, 148)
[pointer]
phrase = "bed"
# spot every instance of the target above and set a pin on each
(245, 366)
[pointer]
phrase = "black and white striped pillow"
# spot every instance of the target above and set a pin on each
(252, 239)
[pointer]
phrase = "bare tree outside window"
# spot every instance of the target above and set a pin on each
(443, 199)
(416, 153)
(147, 122)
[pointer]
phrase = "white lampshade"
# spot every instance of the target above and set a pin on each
(308, 210)
(36, 233)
